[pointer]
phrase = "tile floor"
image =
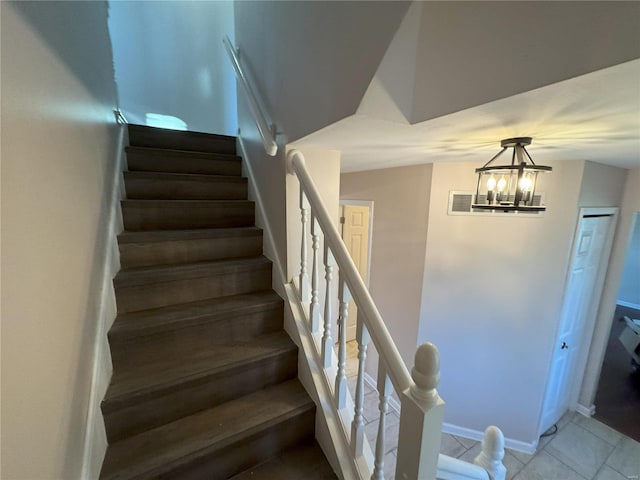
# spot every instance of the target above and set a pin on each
(582, 449)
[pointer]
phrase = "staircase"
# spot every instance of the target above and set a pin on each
(204, 377)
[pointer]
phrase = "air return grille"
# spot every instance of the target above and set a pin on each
(460, 203)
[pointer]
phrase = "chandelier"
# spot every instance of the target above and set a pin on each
(511, 187)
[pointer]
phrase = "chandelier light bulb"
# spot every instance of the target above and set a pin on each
(525, 183)
(501, 184)
(491, 183)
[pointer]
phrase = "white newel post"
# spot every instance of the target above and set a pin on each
(490, 458)
(421, 419)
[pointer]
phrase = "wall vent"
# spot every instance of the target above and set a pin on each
(460, 204)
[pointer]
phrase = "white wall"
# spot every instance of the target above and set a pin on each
(492, 298)
(58, 159)
(629, 292)
(629, 207)
(169, 59)
(401, 199)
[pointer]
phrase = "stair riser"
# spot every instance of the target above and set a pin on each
(250, 451)
(170, 189)
(160, 407)
(179, 217)
(178, 140)
(175, 163)
(186, 251)
(234, 327)
(155, 295)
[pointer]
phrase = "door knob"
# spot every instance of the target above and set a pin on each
(564, 346)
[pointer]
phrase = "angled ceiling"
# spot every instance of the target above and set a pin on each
(452, 84)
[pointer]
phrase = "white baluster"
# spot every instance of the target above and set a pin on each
(303, 279)
(421, 415)
(344, 296)
(384, 390)
(490, 458)
(357, 426)
(327, 340)
(314, 308)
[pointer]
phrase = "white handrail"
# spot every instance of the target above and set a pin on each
(268, 140)
(398, 372)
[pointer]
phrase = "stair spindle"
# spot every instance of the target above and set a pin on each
(303, 278)
(384, 390)
(314, 307)
(357, 425)
(344, 296)
(327, 340)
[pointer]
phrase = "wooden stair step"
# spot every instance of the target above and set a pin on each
(182, 161)
(188, 380)
(184, 186)
(153, 287)
(219, 442)
(186, 214)
(143, 136)
(139, 336)
(164, 247)
(305, 461)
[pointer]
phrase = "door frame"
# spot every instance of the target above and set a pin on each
(363, 203)
(590, 321)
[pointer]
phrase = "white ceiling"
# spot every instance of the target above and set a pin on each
(591, 117)
(573, 115)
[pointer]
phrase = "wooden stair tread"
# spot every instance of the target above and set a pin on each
(163, 449)
(145, 136)
(179, 316)
(151, 203)
(188, 365)
(184, 177)
(192, 234)
(152, 151)
(306, 461)
(166, 273)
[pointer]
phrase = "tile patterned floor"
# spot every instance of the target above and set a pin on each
(582, 449)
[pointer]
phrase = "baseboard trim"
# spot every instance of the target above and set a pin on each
(261, 218)
(622, 303)
(95, 439)
(586, 411)
(477, 435)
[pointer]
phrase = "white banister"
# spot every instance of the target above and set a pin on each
(266, 131)
(422, 409)
(373, 320)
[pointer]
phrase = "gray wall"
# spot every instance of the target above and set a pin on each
(467, 48)
(401, 206)
(629, 292)
(58, 168)
(169, 59)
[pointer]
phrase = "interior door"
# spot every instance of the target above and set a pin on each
(580, 299)
(355, 234)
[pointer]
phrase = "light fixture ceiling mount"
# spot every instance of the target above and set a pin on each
(510, 187)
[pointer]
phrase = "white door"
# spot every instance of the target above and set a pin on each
(581, 298)
(355, 233)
